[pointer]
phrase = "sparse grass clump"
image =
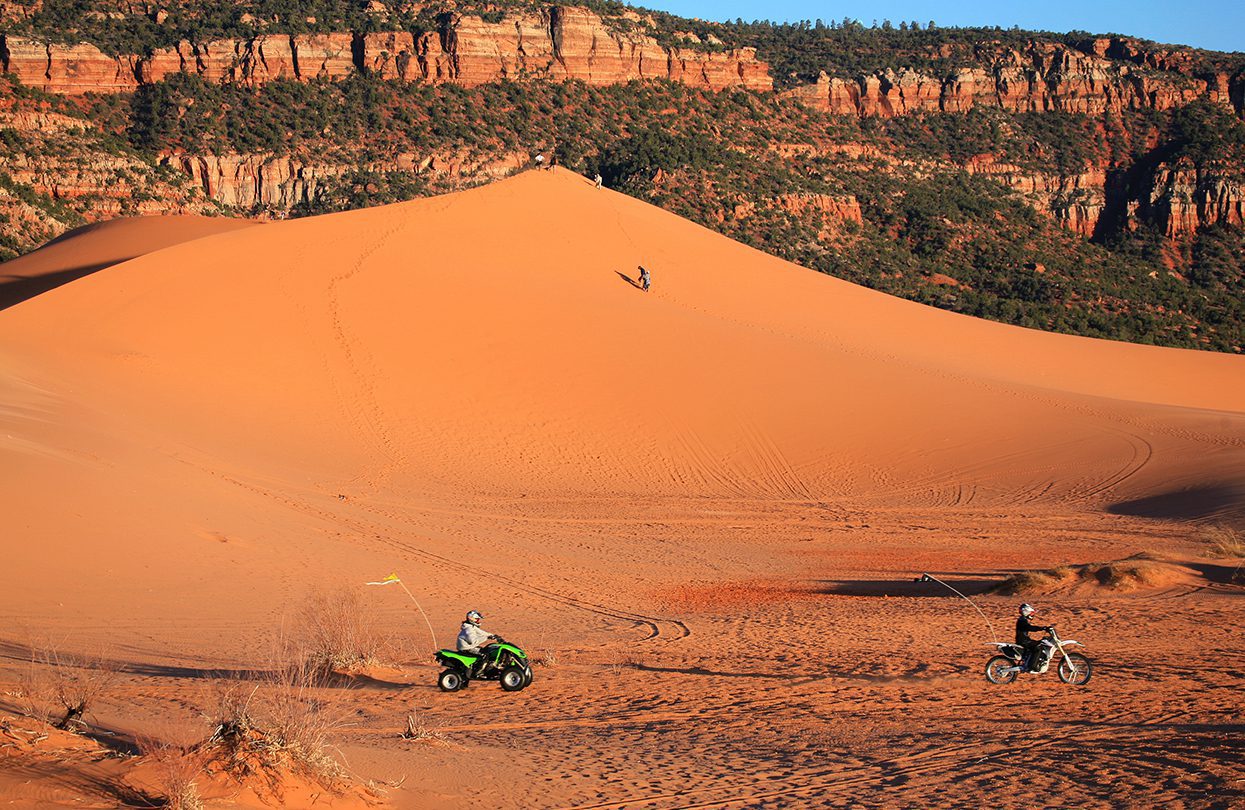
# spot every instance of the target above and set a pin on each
(1138, 571)
(178, 766)
(1035, 581)
(337, 631)
(1224, 541)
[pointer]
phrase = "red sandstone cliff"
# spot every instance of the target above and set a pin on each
(559, 43)
(1042, 77)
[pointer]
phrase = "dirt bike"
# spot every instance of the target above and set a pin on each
(499, 661)
(1074, 668)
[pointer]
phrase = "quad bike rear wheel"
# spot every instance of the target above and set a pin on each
(1000, 669)
(451, 680)
(1075, 669)
(512, 679)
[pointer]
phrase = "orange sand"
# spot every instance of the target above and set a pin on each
(467, 390)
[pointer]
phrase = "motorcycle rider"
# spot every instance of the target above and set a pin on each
(472, 639)
(1025, 626)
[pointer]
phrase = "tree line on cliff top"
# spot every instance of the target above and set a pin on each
(797, 51)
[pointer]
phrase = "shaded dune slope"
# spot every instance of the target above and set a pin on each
(96, 247)
(488, 344)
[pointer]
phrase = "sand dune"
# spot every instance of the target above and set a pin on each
(95, 247)
(487, 344)
(472, 383)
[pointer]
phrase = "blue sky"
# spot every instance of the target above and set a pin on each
(1215, 24)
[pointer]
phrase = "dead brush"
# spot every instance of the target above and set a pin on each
(1224, 541)
(418, 730)
(178, 766)
(282, 724)
(1025, 582)
(621, 663)
(547, 658)
(338, 630)
(60, 688)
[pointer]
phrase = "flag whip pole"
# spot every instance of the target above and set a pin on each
(928, 578)
(392, 579)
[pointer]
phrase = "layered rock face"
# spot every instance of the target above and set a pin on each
(1043, 77)
(279, 183)
(1180, 199)
(559, 43)
(1176, 198)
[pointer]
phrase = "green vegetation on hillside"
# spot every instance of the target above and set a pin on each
(921, 206)
(929, 231)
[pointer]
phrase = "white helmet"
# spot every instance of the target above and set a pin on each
(474, 616)
(1026, 609)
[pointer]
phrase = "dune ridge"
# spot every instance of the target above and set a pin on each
(489, 343)
(471, 390)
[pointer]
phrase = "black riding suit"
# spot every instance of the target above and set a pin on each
(1023, 628)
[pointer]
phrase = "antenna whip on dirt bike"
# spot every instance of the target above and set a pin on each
(927, 578)
(393, 578)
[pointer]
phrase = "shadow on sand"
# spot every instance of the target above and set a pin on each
(1225, 502)
(969, 584)
(16, 290)
(629, 279)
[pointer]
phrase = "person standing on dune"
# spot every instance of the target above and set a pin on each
(599, 180)
(645, 279)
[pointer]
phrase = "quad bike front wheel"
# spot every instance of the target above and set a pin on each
(513, 679)
(1075, 669)
(1000, 669)
(451, 680)
(527, 677)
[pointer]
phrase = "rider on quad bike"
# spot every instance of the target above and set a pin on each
(472, 639)
(1024, 626)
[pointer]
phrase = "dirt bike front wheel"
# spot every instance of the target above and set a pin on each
(1075, 669)
(1000, 669)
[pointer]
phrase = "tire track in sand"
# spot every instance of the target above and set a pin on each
(836, 779)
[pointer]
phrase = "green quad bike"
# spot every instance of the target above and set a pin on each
(499, 661)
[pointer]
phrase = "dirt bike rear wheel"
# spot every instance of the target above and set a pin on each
(996, 670)
(1082, 673)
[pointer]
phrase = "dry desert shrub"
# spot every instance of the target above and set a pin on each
(1026, 582)
(1224, 541)
(547, 658)
(60, 688)
(1129, 574)
(338, 630)
(1138, 571)
(178, 766)
(285, 723)
(419, 730)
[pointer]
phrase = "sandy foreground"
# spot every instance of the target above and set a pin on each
(707, 502)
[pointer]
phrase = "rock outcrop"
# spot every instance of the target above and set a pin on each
(1176, 198)
(559, 43)
(1042, 77)
(1181, 199)
(278, 183)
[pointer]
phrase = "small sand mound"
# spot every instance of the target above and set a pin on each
(1139, 572)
